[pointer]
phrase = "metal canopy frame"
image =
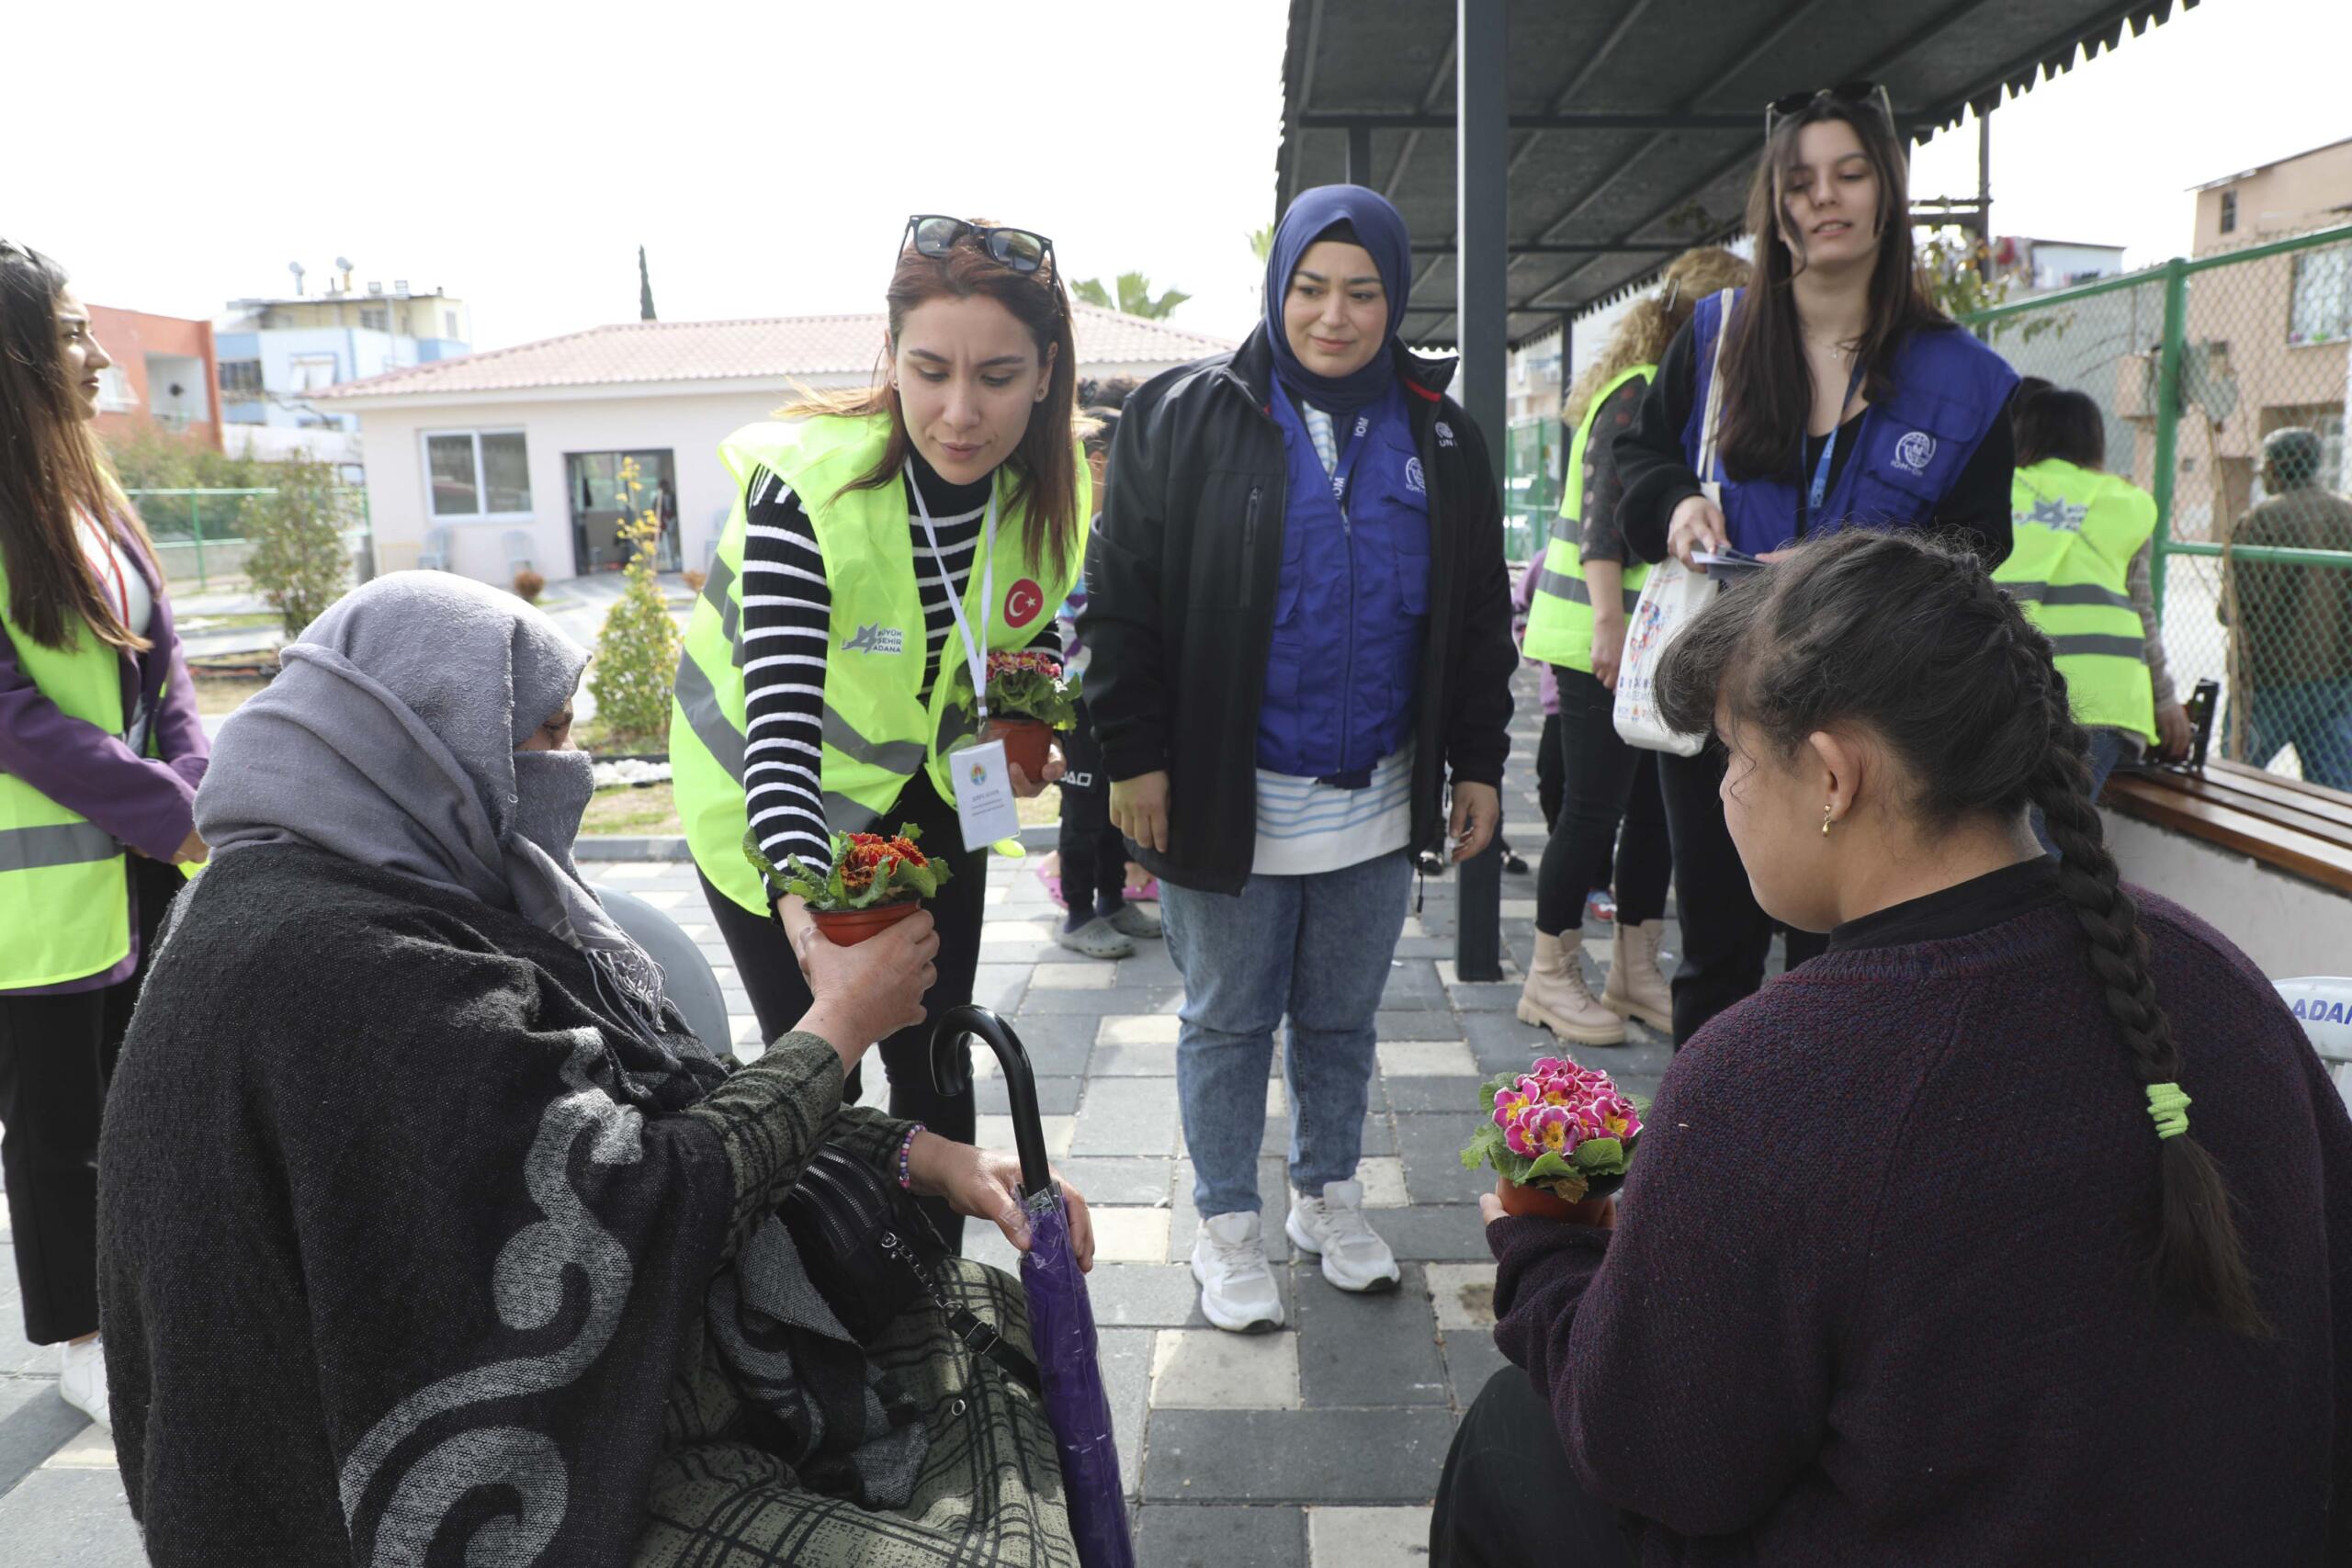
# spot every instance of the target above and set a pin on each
(1591, 145)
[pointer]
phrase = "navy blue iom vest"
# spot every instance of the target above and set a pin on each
(1949, 389)
(1352, 599)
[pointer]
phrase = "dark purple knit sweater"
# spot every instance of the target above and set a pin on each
(1873, 1301)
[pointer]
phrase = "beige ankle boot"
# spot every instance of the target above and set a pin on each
(1555, 997)
(1635, 989)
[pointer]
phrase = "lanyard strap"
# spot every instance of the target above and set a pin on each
(976, 656)
(1830, 445)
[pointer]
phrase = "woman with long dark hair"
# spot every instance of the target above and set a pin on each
(100, 754)
(884, 538)
(1577, 624)
(1848, 399)
(2017, 1228)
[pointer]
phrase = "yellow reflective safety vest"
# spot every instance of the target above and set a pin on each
(878, 728)
(65, 882)
(1559, 616)
(2075, 533)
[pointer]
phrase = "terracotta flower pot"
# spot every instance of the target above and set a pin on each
(1525, 1202)
(847, 927)
(1025, 744)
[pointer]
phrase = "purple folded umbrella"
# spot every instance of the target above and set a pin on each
(1061, 1316)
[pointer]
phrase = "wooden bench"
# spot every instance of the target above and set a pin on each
(2302, 828)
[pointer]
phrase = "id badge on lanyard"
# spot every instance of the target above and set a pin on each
(983, 781)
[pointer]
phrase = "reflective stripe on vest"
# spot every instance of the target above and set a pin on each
(65, 884)
(878, 728)
(1559, 616)
(2075, 531)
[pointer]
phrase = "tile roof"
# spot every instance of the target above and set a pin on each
(769, 348)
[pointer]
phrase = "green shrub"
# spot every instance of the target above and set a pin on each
(296, 558)
(637, 653)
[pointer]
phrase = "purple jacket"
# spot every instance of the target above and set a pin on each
(147, 803)
(1522, 598)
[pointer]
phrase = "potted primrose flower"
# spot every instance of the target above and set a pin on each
(875, 883)
(1557, 1134)
(1029, 698)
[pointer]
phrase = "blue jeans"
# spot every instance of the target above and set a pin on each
(1315, 947)
(2107, 750)
(2316, 718)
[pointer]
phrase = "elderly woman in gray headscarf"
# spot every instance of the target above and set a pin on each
(429, 1232)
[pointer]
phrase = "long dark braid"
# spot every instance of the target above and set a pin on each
(1912, 639)
(2194, 1255)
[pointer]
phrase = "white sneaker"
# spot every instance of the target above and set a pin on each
(81, 1380)
(1334, 1225)
(1237, 1291)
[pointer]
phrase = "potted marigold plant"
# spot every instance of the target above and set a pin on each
(1557, 1134)
(875, 883)
(1029, 698)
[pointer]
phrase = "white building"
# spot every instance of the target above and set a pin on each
(512, 456)
(275, 355)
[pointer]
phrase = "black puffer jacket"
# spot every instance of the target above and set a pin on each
(1180, 583)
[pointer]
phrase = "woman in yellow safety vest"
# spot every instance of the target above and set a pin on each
(1586, 587)
(100, 754)
(883, 541)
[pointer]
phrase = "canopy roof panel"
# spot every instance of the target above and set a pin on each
(1636, 126)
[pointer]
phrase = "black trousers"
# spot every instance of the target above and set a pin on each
(1508, 1498)
(1550, 786)
(780, 994)
(1094, 856)
(57, 1055)
(1606, 783)
(1726, 936)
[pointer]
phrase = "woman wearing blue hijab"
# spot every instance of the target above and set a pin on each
(1301, 630)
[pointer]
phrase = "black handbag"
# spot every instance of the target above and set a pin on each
(873, 1255)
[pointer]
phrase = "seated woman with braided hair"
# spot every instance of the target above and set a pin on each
(1925, 1257)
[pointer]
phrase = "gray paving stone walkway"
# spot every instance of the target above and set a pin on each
(1319, 1444)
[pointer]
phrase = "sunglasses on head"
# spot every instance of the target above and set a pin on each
(1870, 95)
(935, 234)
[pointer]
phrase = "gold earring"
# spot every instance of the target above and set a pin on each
(1827, 813)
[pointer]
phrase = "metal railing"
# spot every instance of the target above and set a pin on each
(2195, 364)
(199, 533)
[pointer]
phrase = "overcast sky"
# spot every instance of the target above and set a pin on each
(766, 155)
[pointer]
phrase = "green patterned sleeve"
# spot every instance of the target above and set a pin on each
(771, 1117)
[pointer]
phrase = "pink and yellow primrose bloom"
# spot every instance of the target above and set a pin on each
(1549, 1113)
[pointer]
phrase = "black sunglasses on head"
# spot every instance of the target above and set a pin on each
(936, 234)
(1861, 94)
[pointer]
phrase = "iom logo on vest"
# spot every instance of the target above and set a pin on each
(1023, 603)
(1415, 480)
(1914, 452)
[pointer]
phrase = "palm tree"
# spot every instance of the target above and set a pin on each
(1135, 298)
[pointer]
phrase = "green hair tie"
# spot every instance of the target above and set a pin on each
(2168, 1108)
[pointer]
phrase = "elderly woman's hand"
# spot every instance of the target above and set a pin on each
(986, 1185)
(870, 990)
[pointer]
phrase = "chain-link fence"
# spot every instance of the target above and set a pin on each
(1533, 454)
(2226, 381)
(200, 534)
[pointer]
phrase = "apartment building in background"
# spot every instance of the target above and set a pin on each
(274, 352)
(162, 374)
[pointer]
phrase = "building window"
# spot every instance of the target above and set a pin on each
(241, 378)
(2320, 310)
(2229, 212)
(478, 473)
(375, 319)
(449, 324)
(115, 394)
(314, 372)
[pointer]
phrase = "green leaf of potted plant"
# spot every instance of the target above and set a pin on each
(1558, 1136)
(875, 882)
(1029, 698)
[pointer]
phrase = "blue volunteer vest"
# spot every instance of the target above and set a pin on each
(1352, 599)
(1949, 389)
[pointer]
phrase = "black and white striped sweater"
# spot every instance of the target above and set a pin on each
(788, 610)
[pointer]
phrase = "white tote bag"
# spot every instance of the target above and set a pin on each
(1671, 596)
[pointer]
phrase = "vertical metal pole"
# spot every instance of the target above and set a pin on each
(1984, 183)
(2167, 421)
(1360, 155)
(1482, 191)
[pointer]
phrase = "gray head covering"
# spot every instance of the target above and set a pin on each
(2293, 458)
(388, 737)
